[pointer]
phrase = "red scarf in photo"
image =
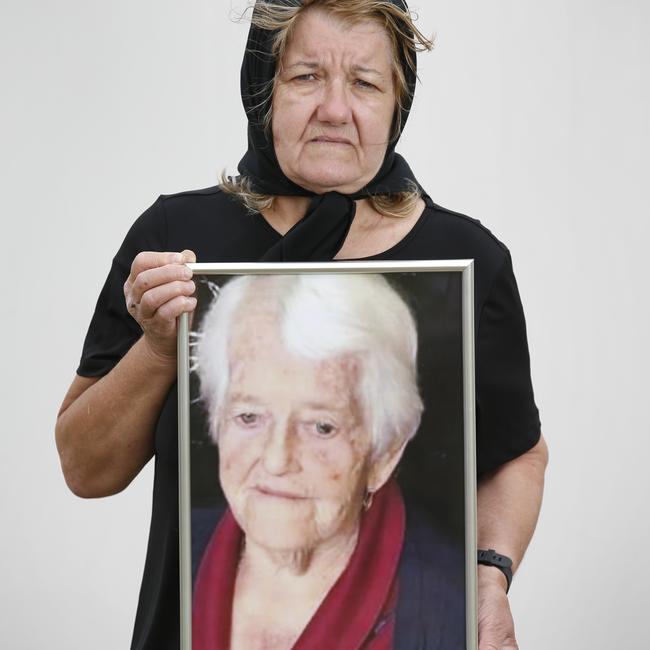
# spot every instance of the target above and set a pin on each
(358, 612)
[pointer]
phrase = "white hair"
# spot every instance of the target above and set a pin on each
(320, 317)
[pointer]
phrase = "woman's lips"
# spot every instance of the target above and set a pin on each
(327, 140)
(280, 494)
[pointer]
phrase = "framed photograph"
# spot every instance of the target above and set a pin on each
(327, 471)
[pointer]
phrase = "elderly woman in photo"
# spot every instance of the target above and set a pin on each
(309, 384)
(327, 87)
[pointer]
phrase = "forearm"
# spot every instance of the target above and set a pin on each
(509, 502)
(105, 430)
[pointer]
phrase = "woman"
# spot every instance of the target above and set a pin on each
(313, 525)
(327, 92)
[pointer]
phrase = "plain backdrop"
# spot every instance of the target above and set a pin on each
(531, 116)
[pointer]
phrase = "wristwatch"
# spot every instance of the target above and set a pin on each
(501, 562)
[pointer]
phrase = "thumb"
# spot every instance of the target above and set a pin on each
(189, 257)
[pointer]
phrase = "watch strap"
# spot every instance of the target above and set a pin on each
(490, 557)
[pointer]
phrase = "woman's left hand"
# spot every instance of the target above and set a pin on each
(496, 629)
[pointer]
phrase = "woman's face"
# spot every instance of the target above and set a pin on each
(293, 447)
(333, 104)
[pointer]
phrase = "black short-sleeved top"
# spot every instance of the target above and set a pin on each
(219, 229)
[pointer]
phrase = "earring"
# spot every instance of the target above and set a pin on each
(367, 499)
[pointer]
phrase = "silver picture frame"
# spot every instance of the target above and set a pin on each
(462, 269)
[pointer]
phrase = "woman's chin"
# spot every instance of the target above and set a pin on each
(290, 526)
(279, 524)
(281, 539)
(325, 178)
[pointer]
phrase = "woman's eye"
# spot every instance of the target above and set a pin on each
(364, 84)
(247, 419)
(324, 428)
(305, 77)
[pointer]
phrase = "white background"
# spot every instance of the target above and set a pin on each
(532, 116)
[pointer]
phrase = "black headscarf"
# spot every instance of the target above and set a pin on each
(319, 235)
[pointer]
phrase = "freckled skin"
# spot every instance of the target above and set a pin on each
(275, 433)
(294, 452)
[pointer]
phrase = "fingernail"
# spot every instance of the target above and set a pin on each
(177, 258)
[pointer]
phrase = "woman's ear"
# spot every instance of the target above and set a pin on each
(384, 466)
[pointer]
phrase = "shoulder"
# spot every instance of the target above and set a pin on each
(167, 206)
(462, 236)
(193, 195)
(444, 234)
(197, 200)
(215, 225)
(158, 226)
(468, 229)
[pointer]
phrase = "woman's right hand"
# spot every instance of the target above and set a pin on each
(157, 291)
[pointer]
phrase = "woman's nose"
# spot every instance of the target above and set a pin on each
(334, 107)
(279, 456)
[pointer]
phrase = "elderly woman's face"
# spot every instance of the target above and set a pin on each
(334, 103)
(293, 448)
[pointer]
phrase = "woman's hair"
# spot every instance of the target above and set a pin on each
(322, 317)
(406, 41)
